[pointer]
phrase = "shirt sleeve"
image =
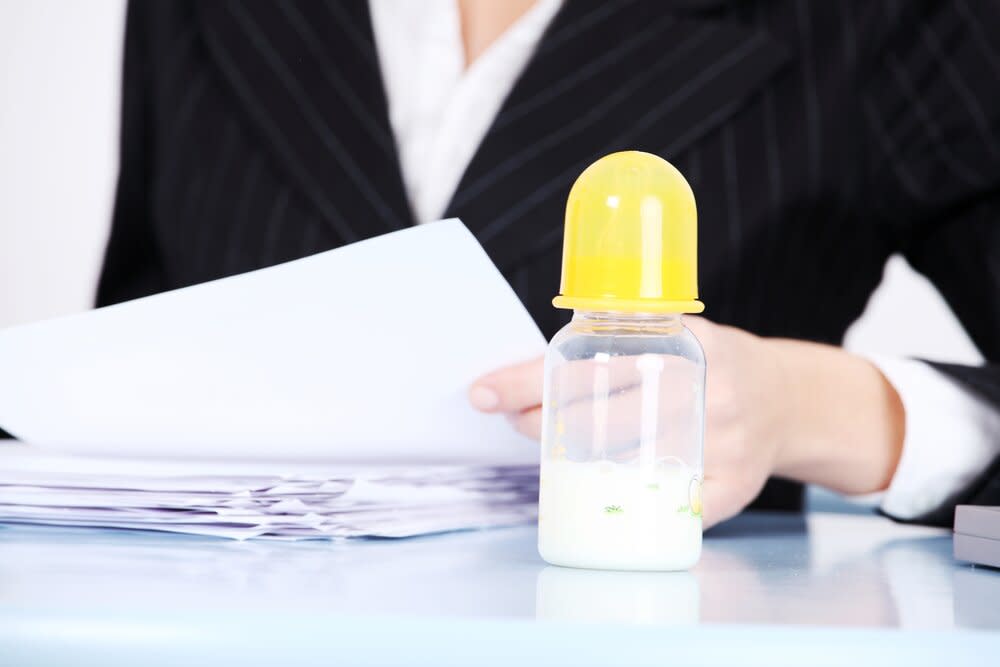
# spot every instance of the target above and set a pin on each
(949, 439)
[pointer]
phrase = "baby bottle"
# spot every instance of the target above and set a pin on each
(623, 406)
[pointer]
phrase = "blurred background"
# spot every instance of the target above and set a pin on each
(59, 91)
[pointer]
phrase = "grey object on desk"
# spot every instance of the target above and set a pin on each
(978, 520)
(977, 534)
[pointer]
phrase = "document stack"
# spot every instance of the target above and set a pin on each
(323, 397)
(259, 500)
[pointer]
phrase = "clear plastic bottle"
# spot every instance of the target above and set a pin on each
(623, 406)
(621, 444)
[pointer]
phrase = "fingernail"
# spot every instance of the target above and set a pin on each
(483, 398)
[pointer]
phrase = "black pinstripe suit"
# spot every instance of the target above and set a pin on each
(819, 137)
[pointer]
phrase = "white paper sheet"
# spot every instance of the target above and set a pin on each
(363, 353)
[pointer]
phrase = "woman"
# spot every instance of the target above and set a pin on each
(819, 139)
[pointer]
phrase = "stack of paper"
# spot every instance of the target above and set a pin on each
(262, 500)
(350, 368)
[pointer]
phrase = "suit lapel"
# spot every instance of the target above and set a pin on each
(582, 96)
(307, 77)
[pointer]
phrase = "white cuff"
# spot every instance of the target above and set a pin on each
(951, 437)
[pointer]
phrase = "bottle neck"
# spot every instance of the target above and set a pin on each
(637, 318)
(666, 323)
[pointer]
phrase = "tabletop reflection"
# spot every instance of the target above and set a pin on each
(818, 569)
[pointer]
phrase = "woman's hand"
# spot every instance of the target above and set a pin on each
(804, 411)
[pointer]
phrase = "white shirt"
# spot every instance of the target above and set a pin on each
(440, 111)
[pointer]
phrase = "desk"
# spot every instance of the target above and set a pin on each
(770, 589)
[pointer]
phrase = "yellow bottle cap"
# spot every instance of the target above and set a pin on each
(631, 238)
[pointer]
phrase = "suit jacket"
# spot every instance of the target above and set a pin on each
(819, 139)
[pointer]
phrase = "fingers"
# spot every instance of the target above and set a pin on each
(518, 388)
(512, 389)
(720, 502)
(528, 423)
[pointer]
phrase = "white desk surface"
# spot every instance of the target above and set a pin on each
(770, 589)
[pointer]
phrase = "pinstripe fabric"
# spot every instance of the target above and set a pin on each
(819, 139)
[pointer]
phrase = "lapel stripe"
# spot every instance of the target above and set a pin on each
(730, 179)
(581, 124)
(771, 148)
(585, 73)
(565, 179)
(180, 50)
(560, 182)
(185, 110)
(891, 152)
(969, 99)
(811, 102)
(273, 226)
(212, 199)
(708, 75)
(331, 72)
(929, 126)
(691, 87)
(307, 84)
(766, 234)
(180, 121)
(318, 124)
(696, 131)
(848, 22)
(234, 244)
(360, 33)
(310, 236)
(278, 139)
(594, 17)
(191, 197)
(692, 166)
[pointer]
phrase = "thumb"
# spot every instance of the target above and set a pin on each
(701, 327)
(720, 502)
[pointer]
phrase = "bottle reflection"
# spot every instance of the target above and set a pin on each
(604, 596)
